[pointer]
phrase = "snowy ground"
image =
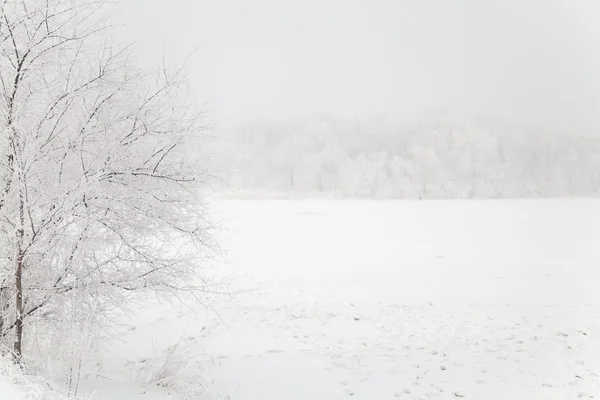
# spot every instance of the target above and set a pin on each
(9, 391)
(385, 300)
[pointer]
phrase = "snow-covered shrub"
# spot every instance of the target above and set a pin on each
(175, 369)
(23, 385)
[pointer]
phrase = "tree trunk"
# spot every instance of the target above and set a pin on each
(3, 306)
(17, 347)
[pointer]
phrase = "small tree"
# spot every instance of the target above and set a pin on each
(101, 178)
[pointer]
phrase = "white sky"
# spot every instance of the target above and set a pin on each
(534, 62)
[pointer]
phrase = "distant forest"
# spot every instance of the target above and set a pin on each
(377, 158)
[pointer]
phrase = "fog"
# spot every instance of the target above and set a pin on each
(532, 63)
(308, 199)
(390, 99)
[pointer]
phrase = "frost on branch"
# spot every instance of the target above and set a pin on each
(102, 175)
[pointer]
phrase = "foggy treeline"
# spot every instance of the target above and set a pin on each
(435, 159)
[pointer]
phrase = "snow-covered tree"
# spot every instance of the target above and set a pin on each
(429, 159)
(101, 178)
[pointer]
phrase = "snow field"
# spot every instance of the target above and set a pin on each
(379, 300)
